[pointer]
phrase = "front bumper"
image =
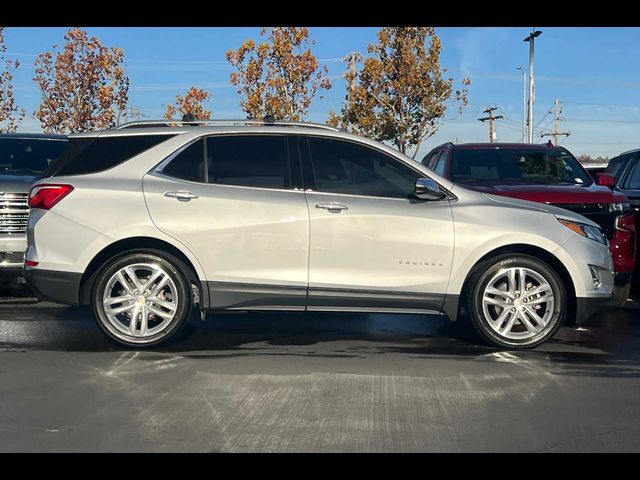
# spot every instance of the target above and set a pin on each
(622, 287)
(586, 307)
(53, 285)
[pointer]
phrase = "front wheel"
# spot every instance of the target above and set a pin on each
(516, 301)
(141, 299)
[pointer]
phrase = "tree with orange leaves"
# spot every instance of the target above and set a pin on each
(190, 104)
(10, 115)
(278, 77)
(400, 94)
(84, 88)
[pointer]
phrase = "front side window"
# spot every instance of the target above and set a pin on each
(260, 161)
(349, 168)
(520, 165)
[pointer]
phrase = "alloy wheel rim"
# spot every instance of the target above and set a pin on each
(140, 300)
(518, 303)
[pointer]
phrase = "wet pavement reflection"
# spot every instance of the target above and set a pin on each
(315, 382)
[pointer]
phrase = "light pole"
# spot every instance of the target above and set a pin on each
(524, 102)
(531, 39)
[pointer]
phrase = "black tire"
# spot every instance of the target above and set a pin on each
(479, 280)
(177, 272)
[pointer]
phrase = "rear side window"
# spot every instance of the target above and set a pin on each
(188, 164)
(95, 154)
(615, 166)
(249, 160)
(633, 179)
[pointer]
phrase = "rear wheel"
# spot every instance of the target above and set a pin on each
(142, 299)
(516, 301)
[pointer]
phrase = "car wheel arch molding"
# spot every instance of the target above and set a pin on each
(142, 242)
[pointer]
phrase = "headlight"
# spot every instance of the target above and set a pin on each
(624, 207)
(588, 231)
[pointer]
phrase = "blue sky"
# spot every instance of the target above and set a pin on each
(594, 72)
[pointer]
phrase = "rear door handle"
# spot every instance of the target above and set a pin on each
(332, 207)
(181, 195)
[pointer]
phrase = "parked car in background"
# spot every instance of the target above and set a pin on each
(546, 174)
(143, 223)
(625, 169)
(23, 159)
(594, 169)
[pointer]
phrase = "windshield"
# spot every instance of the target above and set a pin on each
(25, 156)
(518, 166)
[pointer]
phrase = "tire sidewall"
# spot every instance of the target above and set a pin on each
(172, 267)
(480, 280)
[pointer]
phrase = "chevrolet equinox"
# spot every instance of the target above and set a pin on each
(144, 223)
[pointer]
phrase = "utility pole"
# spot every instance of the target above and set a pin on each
(132, 113)
(491, 118)
(352, 59)
(556, 120)
(531, 39)
(524, 103)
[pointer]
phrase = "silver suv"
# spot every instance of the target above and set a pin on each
(144, 223)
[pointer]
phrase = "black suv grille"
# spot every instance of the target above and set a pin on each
(598, 212)
(14, 212)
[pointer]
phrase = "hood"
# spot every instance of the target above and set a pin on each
(20, 183)
(558, 212)
(545, 193)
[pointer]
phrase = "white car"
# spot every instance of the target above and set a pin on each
(143, 223)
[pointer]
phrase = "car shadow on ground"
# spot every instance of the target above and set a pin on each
(608, 346)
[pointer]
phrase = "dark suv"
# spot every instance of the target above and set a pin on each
(551, 175)
(23, 159)
(625, 168)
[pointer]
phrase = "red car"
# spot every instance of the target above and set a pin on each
(546, 174)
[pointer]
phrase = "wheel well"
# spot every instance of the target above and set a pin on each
(121, 246)
(545, 256)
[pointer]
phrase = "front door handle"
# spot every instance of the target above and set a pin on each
(181, 195)
(332, 207)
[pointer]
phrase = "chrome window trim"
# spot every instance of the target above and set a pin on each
(218, 185)
(157, 169)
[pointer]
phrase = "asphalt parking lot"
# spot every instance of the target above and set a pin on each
(314, 383)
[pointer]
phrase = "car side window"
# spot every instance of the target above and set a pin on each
(348, 168)
(440, 164)
(426, 161)
(615, 166)
(187, 164)
(433, 159)
(633, 179)
(249, 160)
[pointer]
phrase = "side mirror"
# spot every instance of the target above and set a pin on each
(605, 180)
(427, 189)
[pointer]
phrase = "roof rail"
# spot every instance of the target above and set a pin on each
(221, 122)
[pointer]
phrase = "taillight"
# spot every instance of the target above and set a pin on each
(46, 195)
(627, 224)
(30, 263)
